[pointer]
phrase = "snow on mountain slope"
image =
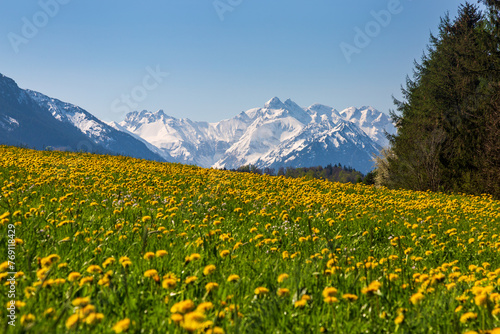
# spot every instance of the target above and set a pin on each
(279, 134)
(97, 135)
(372, 122)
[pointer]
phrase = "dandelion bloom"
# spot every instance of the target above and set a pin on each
(371, 288)
(94, 318)
(121, 326)
(27, 319)
(191, 279)
(72, 321)
(94, 269)
(176, 317)
(183, 306)
(211, 286)
(108, 261)
(149, 256)
(416, 298)
(233, 278)
(261, 291)
(80, 302)
(193, 321)
(74, 276)
(224, 253)
(169, 283)
(205, 306)
(399, 319)
(329, 292)
(330, 300)
(300, 303)
(282, 292)
(350, 297)
(161, 253)
(209, 269)
(282, 278)
(468, 316)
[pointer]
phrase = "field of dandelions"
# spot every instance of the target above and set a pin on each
(109, 244)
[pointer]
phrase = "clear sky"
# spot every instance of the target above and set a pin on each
(222, 57)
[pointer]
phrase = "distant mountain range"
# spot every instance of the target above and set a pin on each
(281, 134)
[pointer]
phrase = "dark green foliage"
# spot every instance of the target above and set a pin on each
(448, 124)
(335, 173)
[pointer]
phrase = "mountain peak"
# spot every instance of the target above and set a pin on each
(274, 103)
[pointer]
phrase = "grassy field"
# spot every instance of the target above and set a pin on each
(111, 244)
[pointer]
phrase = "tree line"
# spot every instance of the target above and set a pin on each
(448, 122)
(334, 173)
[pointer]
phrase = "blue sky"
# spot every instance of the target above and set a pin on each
(222, 57)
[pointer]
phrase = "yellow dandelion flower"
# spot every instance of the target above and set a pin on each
(209, 269)
(169, 283)
(349, 297)
(233, 278)
(72, 322)
(161, 253)
(149, 256)
(417, 298)
(329, 292)
(191, 279)
(282, 292)
(211, 286)
(300, 303)
(261, 291)
(183, 306)
(74, 276)
(121, 326)
(282, 278)
(468, 316)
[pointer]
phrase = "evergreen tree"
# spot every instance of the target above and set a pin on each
(448, 121)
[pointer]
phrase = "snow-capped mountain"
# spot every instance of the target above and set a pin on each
(279, 134)
(35, 120)
(372, 122)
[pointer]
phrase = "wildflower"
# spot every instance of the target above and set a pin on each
(121, 326)
(161, 253)
(192, 321)
(94, 269)
(209, 269)
(399, 319)
(169, 283)
(329, 292)
(108, 261)
(191, 279)
(468, 316)
(74, 276)
(261, 291)
(211, 286)
(282, 278)
(94, 318)
(233, 278)
(72, 321)
(183, 306)
(282, 292)
(27, 319)
(80, 302)
(205, 306)
(372, 288)
(224, 253)
(300, 303)
(416, 298)
(350, 297)
(177, 318)
(149, 256)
